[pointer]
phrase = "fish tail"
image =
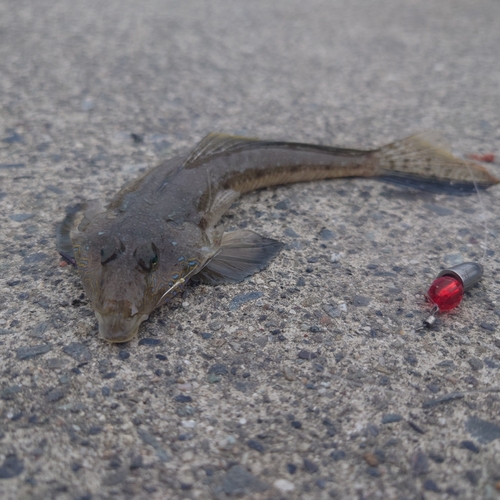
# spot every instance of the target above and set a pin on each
(424, 160)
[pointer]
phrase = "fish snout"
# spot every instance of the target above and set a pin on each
(114, 326)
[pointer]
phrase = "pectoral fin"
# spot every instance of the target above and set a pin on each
(241, 254)
(78, 215)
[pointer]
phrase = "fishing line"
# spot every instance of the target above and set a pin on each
(482, 206)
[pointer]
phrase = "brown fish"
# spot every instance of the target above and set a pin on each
(160, 231)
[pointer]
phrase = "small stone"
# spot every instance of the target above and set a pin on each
(332, 311)
(54, 395)
(238, 482)
(430, 485)
(373, 471)
(283, 205)
(321, 483)
(482, 430)
(119, 386)
(136, 462)
(331, 431)
(10, 392)
(149, 341)
(475, 363)
(20, 217)
(338, 455)
(420, 464)
(181, 398)
(304, 354)
(325, 321)
(491, 363)
(437, 457)
(473, 477)
(11, 467)
(290, 232)
(218, 369)
(31, 352)
(371, 459)
(310, 466)
(360, 301)
(239, 300)
(291, 468)
(416, 427)
(284, 485)
(434, 388)
(488, 326)
(326, 234)
(296, 424)
(76, 466)
(288, 374)
(335, 257)
(256, 445)
(390, 418)
(411, 359)
(469, 445)
(8, 166)
(430, 403)
(77, 351)
(35, 258)
(123, 355)
(152, 441)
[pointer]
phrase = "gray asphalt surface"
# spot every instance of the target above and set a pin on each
(309, 380)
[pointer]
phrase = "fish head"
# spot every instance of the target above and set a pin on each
(127, 274)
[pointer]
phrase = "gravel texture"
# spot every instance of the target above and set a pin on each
(310, 380)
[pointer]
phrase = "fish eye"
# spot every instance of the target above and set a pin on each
(146, 256)
(111, 249)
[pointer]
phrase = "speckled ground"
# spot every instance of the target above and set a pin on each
(309, 380)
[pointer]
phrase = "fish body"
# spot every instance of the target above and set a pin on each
(161, 230)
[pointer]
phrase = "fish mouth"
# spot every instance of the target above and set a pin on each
(115, 328)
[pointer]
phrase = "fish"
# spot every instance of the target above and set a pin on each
(161, 230)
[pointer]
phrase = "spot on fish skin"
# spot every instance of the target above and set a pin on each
(180, 259)
(100, 233)
(175, 276)
(192, 263)
(174, 243)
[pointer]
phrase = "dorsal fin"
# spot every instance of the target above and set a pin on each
(213, 144)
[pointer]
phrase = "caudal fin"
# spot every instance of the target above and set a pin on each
(423, 160)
